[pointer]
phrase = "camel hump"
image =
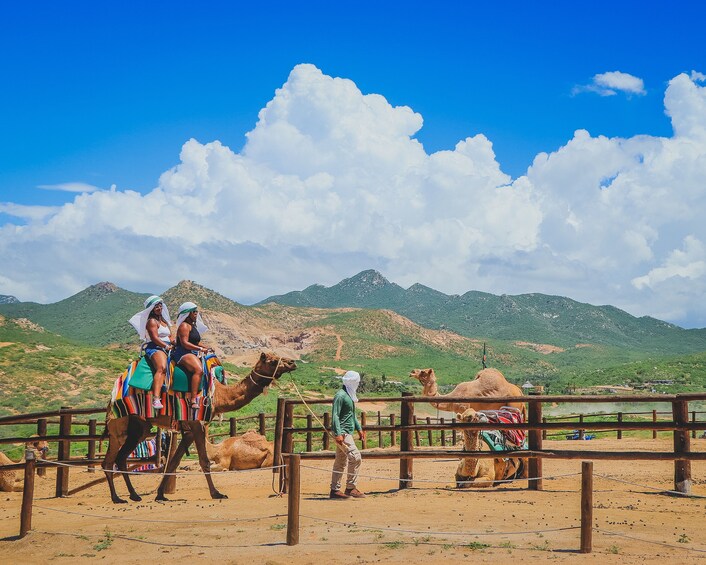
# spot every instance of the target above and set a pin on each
(490, 373)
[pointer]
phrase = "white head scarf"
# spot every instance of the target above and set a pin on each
(351, 380)
(139, 320)
(186, 309)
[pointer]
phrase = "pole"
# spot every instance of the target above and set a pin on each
(620, 423)
(62, 473)
(327, 425)
(42, 432)
(263, 423)
(293, 498)
(586, 506)
(654, 420)
(92, 429)
(309, 424)
(682, 444)
(27, 493)
(364, 424)
(535, 444)
(406, 463)
(233, 426)
(279, 425)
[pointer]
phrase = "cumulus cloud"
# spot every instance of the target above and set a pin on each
(610, 83)
(331, 181)
(70, 187)
(27, 212)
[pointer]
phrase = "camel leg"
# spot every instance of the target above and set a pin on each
(174, 460)
(135, 434)
(199, 434)
(108, 461)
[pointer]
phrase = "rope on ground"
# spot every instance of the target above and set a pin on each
(674, 492)
(642, 540)
(152, 473)
(151, 521)
(395, 479)
(431, 532)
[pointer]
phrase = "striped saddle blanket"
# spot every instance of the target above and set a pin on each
(501, 440)
(126, 400)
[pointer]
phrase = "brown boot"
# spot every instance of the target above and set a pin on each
(338, 495)
(355, 493)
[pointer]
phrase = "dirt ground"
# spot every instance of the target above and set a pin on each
(429, 523)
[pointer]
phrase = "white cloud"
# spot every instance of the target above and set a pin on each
(331, 182)
(70, 187)
(612, 82)
(27, 212)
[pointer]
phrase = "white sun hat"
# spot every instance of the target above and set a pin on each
(186, 309)
(139, 320)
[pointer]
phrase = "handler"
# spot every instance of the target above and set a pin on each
(343, 422)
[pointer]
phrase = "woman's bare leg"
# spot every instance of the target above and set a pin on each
(191, 364)
(159, 364)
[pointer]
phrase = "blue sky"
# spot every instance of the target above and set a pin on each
(109, 95)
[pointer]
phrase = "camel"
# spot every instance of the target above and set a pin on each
(483, 473)
(249, 451)
(488, 382)
(9, 480)
(126, 432)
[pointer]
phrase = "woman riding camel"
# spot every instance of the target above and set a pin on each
(153, 326)
(190, 326)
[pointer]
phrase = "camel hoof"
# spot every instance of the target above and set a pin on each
(119, 501)
(135, 498)
(161, 498)
(219, 496)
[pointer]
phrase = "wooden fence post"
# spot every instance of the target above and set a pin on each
(309, 437)
(443, 433)
(693, 421)
(453, 432)
(581, 430)
(406, 463)
(327, 425)
(380, 444)
(279, 425)
(41, 432)
(262, 421)
(363, 424)
(654, 419)
(430, 433)
(535, 443)
(287, 438)
(62, 473)
(682, 444)
(92, 430)
(233, 426)
(416, 433)
(586, 506)
(27, 493)
(293, 497)
(620, 422)
(393, 436)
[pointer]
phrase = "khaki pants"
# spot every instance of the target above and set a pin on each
(346, 453)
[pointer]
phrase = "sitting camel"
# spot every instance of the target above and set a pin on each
(249, 451)
(484, 472)
(487, 383)
(126, 432)
(10, 481)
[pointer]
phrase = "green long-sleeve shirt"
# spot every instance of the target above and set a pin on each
(343, 420)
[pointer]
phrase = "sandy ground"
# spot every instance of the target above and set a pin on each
(428, 523)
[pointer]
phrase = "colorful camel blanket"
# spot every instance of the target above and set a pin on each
(127, 400)
(503, 440)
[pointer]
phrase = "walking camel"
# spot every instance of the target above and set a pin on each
(126, 432)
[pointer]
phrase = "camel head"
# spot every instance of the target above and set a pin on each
(424, 376)
(40, 447)
(469, 416)
(270, 367)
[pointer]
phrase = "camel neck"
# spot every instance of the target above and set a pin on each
(233, 397)
(431, 389)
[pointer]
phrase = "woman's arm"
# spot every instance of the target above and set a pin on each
(183, 335)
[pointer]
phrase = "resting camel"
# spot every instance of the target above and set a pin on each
(10, 481)
(249, 451)
(488, 382)
(126, 432)
(483, 472)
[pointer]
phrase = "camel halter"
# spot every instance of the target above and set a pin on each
(270, 378)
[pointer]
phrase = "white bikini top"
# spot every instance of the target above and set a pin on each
(163, 333)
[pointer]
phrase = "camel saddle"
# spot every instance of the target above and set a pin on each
(142, 375)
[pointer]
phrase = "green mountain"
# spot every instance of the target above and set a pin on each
(97, 315)
(536, 318)
(7, 299)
